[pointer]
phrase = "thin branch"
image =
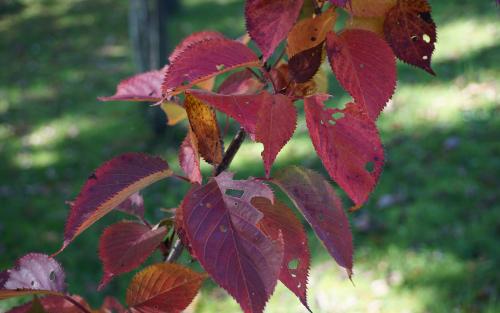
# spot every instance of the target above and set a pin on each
(317, 7)
(254, 73)
(77, 304)
(231, 152)
(175, 252)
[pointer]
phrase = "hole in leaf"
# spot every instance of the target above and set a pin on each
(52, 276)
(338, 115)
(425, 57)
(209, 205)
(370, 166)
(234, 192)
(293, 264)
(331, 122)
(313, 38)
(426, 38)
(223, 228)
(414, 38)
(220, 67)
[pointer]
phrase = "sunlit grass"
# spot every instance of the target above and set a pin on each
(432, 250)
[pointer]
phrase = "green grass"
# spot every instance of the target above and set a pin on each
(425, 242)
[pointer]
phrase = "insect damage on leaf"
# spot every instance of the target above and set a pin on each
(411, 32)
(346, 141)
(34, 273)
(310, 32)
(223, 234)
(279, 221)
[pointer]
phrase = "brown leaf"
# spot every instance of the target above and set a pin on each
(204, 124)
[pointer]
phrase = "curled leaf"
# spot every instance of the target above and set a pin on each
(166, 287)
(305, 64)
(111, 184)
(126, 245)
(204, 124)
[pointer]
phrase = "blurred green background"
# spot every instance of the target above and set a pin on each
(427, 241)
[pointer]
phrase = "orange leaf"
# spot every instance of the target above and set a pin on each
(163, 287)
(204, 125)
(372, 8)
(310, 32)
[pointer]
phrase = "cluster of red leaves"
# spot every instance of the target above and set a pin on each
(244, 238)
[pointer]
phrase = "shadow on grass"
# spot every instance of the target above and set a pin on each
(438, 193)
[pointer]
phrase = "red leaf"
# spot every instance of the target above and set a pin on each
(275, 126)
(189, 158)
(240, 83)
(270, 119)
(126, 245)
(192, 39)
(141, 87)
(204, 59)
(270, 21)
(111, 184)
(243, 108)
(322, 208)
(134, 205)
(34, 273)
(163, 287)
(347, 146)
(56, 304)
(224, 237)
(411, 32)
(365, 66)
(280, 221)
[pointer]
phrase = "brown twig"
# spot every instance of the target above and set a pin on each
(231, 151)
